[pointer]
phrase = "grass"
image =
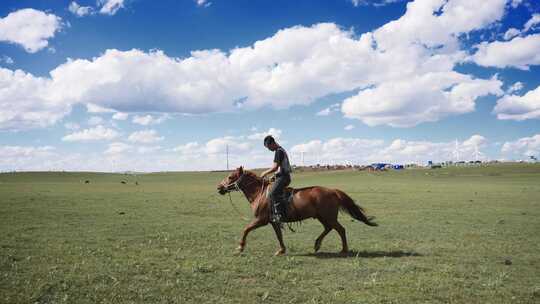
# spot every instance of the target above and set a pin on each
(457, 235)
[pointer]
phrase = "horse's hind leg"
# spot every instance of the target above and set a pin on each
(318, 241)
(341, 231)
(279, 236)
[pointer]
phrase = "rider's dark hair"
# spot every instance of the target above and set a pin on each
(268, 140)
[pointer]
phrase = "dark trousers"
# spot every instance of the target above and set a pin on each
(277, 195)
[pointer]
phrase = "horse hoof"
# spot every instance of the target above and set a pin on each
(279, 252)
(344, 252)
(240, 249)
(317, 247)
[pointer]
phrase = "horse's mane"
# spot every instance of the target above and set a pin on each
(255, 176)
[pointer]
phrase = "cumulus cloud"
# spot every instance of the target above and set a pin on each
(189, 148)
(117, 148)
(365, 151)
(145, 120)
(98, 133)
(203, 3)
(517, 86)
(110, 7)
(327, 111)
(526, 146)
(276, 133)
(120, 116)
(531, 23)
(72, 126)
(95, 120)
(24, 157)
(515, 3)
(295, 66)
(29, 28)
(376, 3)
(94, 108)
(517, 107)
(6, 59)
(424, 98)
(80, 11)
(336, 150)
(348, 127)
(520, 52)
(24, 102)
(145, 137)
(511, 33)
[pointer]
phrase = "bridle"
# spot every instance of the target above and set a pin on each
(236, 185)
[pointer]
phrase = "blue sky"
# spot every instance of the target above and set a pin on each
(167, 85)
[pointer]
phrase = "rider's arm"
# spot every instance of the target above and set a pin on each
(271, 170)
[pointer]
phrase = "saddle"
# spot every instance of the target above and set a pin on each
(288, 194)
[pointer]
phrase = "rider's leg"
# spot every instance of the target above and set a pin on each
(276, 195)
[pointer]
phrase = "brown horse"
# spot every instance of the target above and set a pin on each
(310, 202)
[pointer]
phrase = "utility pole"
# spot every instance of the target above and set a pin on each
(227, 151)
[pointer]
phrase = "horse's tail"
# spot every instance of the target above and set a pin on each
(346, 203)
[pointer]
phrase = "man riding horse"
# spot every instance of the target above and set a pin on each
(283, 179)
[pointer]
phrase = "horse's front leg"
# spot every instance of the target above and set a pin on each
(256, 223)
(279, 235)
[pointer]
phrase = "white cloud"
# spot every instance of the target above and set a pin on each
(219, 145)
(24, 103)
(72, 126)
(29, 28)
(203, 3)
(95, 120)
(327, 111)
(189, 148)
(336, 150)
(424, 98)
(24, 157)
(145, 137)
(149, 119)
(363, 151)
(516, 3)
(80, 11)
(120, 116)
(22, 151)
(520, 52)
(6, 59)
(93, 108)
(511, 33)
(110, 7)
(93, 134)
(376, 3)
(117, 148)
(526, 146)
(276, 133)
(349, 127)
(517, 107)
(517, 86)
(295, 66)
(535, 19)
(148, 149)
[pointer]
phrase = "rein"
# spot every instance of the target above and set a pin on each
(235, 186)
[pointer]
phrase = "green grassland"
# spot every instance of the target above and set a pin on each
(453, 235)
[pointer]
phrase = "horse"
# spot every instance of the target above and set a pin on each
(310, 202)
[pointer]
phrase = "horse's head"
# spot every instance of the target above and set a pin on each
(230, 183)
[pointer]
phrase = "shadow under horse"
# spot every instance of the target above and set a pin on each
(309, 202)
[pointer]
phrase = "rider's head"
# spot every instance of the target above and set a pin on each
(270, 143)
